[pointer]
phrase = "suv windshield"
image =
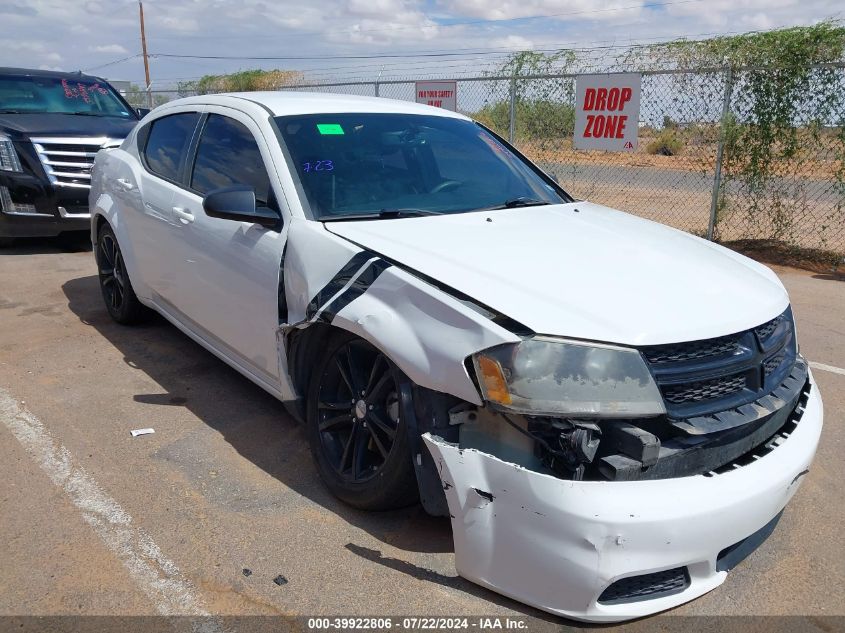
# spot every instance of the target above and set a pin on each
(29, 95)
(389, 165)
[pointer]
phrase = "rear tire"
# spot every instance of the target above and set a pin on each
(122, 304)
(357, 435)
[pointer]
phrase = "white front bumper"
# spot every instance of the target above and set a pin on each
(557, 544)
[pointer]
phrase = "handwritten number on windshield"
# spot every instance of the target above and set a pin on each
(318, 165)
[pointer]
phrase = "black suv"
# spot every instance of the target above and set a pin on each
(51, 126)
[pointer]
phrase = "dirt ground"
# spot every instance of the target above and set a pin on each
(201, 516)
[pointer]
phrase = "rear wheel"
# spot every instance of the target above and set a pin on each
(122, 304)
(355, 427)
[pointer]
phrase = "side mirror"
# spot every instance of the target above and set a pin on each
(238, 203)
(142, 112)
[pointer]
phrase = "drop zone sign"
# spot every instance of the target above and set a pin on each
(607, 111)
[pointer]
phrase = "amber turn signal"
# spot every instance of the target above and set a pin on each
(491, 375)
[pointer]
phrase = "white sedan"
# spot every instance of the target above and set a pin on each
(613, 413)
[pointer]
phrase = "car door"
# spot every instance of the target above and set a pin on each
(162, 146)
(227, 271)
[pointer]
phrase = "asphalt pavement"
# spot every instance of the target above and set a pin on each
(203, 516)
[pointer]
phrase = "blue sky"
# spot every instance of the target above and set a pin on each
(88, 34)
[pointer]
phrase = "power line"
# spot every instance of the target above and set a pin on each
(111, 63)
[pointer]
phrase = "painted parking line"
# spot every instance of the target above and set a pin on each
(155, 574)
(830, 368)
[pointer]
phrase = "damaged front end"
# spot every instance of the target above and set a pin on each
(639, 488)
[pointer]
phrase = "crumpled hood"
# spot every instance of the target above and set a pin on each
(582, 270)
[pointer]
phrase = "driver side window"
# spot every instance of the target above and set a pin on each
(228, 155)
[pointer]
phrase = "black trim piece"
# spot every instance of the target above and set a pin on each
(693, 455)
(340, 280)
(283, 299)
(732, 556)
(646, 586)
(432, 497)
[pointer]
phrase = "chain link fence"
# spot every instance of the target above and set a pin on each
(700, 164)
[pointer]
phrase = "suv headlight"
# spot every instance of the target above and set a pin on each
(550, 376)
(8, 156)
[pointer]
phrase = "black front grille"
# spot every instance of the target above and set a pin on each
(646, 587)
(682, 352)
(767, 329)
(773, 363)
(710, 376)
(704, 389)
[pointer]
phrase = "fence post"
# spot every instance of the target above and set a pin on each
(376, 90)
(717, 176)
(512, 110)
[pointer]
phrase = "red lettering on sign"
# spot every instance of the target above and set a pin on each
(589, 98)
(626, 97)
(601, 98)
(620, 129)
(588, 131)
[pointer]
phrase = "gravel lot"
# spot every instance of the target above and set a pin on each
(97, 522)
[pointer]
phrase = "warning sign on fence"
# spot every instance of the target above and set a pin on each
(607, 111)
(441, 94)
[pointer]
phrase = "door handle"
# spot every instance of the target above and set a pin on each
(185, 216)
(125, 184)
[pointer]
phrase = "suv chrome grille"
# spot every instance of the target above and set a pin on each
(68, 161)
(702, 378)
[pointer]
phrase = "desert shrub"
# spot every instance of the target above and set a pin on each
(667, 143)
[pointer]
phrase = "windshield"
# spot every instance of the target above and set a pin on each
(369, 165)
(28, 95)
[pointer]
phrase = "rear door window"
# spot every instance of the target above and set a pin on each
(167, 144)
(228, 155)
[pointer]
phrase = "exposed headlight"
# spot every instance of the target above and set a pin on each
(551, 376)
(8, 156)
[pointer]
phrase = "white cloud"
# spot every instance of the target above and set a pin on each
(90, 33)
(563, 10)
(113, 49)
(514, 43)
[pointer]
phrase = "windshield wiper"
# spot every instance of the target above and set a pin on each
(521, 201)
(384, 214)
(406, 213)
(4, 111)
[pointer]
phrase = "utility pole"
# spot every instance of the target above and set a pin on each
(146, 59)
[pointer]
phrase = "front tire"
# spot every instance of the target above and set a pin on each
(122, 304)
(357, 435)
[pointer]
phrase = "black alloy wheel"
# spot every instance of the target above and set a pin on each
(112, 272)
(356, 428)
(122, 304)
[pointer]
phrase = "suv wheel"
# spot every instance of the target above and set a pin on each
(120, 299)
(355, 429)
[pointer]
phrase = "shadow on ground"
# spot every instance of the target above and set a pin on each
(257, 426)
(64, 243)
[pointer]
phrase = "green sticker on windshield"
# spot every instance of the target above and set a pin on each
(329, 128)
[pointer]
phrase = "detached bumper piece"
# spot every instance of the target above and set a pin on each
(608, 551)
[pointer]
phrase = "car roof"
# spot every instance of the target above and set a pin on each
(56, 74)
(281, 103)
